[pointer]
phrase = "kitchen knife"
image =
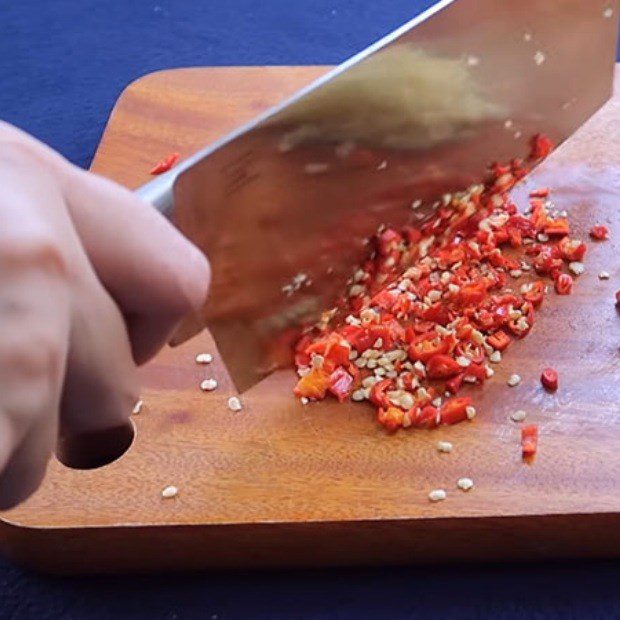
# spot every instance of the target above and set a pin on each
(284, 205)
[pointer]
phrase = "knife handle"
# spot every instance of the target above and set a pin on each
(158, 192)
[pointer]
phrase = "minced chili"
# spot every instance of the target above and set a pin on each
(430, 306)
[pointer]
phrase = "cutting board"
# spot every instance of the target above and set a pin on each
(280, 484)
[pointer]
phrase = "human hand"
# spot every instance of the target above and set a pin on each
(92, 283)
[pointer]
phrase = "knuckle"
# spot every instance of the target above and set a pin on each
(33, 355)
(192, 284)
(16, 151)
(33, 249)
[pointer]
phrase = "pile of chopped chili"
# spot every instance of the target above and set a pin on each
(431, 307)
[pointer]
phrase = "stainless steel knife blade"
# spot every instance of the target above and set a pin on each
(283, 206)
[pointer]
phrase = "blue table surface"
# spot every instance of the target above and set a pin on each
(62, 65)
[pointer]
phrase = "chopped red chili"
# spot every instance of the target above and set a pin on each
(499, 340)
(564, 284)
(529, 440)
(549, 379)
(430, 305)
(541, 146)
(572, 249)
(442, 367)
(313, 385)
(599, 233)
(454, 410)
(165, 164)
(340, 384)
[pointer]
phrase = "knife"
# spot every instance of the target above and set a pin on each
(283, 207)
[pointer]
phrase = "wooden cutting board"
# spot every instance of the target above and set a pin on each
(282, 485)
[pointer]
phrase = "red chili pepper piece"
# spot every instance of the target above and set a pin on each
(455, 384)
(427, 417)
(541, 146)
(549, 379)
(473, 294)
(557, 227)
(536, 293)
(314, 385)
(564, 284)
(426, 345)
(378, 393)
(454, 410)
(442, 367)
(499, 340)
(529, 440)
(165, 164)
(341, 383)
(543, 192)
(572, 249)
(599, 232)
(391, 417)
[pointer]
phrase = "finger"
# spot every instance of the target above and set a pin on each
(153, 273)
(151, 270)
(25, 471)
(34, 322)
(101, 385)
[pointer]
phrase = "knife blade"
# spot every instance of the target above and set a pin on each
(283, 207)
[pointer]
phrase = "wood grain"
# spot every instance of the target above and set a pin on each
(282, 485)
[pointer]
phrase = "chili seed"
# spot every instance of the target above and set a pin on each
(169, 492)
(137, 407)
(465, 484)
(208, 385)
(204, 358)
(358, 395)
(437, 495)
(444, 446)
(514, 380)
(603, 275)
(518, 416)
(577, 268)
(234, 404)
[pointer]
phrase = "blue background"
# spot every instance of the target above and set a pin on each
(62, 65)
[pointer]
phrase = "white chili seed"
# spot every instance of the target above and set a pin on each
(358, 395)
(471, 412)
(576, 267)
(444, 446)
(514, 380)
(465, 484)
(169, 492)
(234, 404)
(539, 58)
(604, 275)
(137, 407)
(518, 416)
(208, 385)
(437, 495)
(204, 358)
(495, 357)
